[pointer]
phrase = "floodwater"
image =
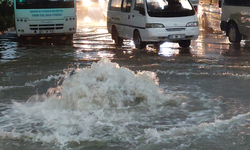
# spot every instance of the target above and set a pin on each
(91, 95)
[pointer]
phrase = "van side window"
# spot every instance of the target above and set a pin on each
(139, 4)
(115, 5)
(237, 2)
(126, 5)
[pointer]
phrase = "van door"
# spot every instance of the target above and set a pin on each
(125, 18)
(244, 21)
(137, 17)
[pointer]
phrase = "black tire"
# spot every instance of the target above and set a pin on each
(137, 40)
(115, 36)
(184, 43)
(234, 34)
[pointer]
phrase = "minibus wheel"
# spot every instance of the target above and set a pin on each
(137, 40)
(185, 43)
(234, 34)
(115, 36)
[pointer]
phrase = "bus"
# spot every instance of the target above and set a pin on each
(45, 18)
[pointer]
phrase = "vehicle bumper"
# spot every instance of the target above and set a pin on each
(162, 34)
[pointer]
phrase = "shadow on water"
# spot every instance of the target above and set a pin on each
(184, 52)
(233, 50)
(48, 41)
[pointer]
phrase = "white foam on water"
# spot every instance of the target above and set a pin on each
(49, 78)
(34, 83)
(183, 137)
(93, 104)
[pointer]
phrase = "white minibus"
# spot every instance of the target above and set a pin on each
(235, 19)
(45, 18)
(152, 21)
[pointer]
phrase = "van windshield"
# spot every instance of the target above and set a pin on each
(169, 8)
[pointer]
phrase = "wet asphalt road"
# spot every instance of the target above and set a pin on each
(24, 63)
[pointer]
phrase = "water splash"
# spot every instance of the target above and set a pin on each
(90, 104)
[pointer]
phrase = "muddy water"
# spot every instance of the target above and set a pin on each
(93, 95)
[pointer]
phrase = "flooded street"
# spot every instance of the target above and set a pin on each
(93, 95)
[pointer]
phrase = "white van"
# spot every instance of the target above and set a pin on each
(209, 14)
(152, 21)
(235, 19)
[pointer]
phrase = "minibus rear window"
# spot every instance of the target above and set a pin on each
(169, 8)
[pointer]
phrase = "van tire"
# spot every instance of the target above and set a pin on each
(115, 36)
(184, 43)
(137, 40)
(234, 34)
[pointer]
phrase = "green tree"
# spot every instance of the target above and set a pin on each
(6, 15)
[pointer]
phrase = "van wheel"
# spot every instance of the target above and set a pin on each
(185, 43)
(137, 40)
(115, 36)
(234, 34)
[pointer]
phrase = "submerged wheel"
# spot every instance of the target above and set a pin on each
(185, 43)
(137, 40)
(115, 36)
(234, 34)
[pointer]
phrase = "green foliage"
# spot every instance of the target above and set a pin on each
(6, 15)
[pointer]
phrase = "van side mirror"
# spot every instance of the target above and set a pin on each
(219, 3)
(142, 11)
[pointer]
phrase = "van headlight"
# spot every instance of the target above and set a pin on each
(192, 24)
(154, 25)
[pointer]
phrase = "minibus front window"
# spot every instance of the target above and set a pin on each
(126, 5)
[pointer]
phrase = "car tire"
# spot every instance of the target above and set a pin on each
(234, 34)
(184, 43)
(138, 41)
(115, 36)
